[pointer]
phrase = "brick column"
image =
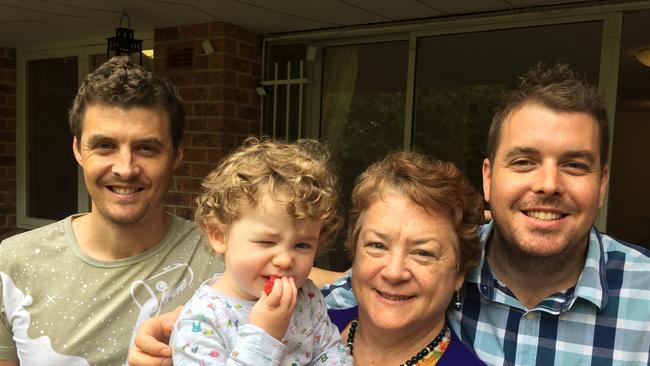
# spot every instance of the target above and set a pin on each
(218, 88)
(7, 139)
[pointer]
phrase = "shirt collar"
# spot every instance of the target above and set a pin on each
(591, 285)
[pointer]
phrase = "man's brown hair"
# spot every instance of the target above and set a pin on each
(119, 82)
(560, 89)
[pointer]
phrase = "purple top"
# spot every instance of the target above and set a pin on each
(457, 353)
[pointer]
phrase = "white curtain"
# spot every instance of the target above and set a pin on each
(339, 80)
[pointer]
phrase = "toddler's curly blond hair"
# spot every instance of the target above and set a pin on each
(297, 174)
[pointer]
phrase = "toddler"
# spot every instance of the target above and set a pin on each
(269, 208)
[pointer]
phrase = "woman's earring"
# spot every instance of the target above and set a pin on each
(457, 304)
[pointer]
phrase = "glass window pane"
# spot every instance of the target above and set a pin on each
(363, 106)
(51, 167)
(628, 215)
(281, 113)
(459, 79)
(281, 54)
(278, 106)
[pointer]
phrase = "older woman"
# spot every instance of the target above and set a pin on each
(412, 237)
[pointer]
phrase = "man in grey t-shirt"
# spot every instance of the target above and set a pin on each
(73, 292)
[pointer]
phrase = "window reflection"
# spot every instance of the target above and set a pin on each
(363, 107)
(52, 169)
(460, 77)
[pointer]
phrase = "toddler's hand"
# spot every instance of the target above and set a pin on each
(273, 312)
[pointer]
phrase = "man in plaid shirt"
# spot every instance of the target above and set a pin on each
(551, 289)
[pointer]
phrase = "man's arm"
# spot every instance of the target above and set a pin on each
(322, 277)
(9, 363)
(487, 216)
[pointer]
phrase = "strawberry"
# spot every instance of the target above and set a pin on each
(268, 285)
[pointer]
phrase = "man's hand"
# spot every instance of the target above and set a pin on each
(151, 343)
(273, 312)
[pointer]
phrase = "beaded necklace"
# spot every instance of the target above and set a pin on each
(438, 344)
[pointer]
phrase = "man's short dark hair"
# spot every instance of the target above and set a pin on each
(558, 88)
(120, 83)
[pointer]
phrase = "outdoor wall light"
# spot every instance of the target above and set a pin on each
(123, 43)
(259, 89)
(643, 56)
(207, 47)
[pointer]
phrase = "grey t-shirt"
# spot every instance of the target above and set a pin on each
(59, 307)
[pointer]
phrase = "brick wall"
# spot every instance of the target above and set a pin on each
(221, 104)
(7, 139)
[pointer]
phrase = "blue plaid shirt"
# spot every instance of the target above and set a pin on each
(603, 320)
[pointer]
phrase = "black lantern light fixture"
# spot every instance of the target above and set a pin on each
(123, 43)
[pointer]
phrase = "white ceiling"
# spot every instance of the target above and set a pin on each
(31, 23)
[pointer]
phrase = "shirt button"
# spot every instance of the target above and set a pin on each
(530, 316)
